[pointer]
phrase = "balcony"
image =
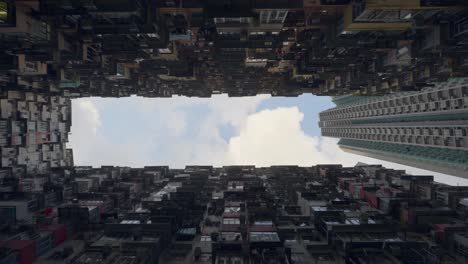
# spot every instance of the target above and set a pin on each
(359, 17)
(26, 27)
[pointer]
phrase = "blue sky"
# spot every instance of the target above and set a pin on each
(217, 131)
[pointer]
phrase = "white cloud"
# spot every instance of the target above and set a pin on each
(85, 124)
(87, 115)
(165, 132)
(275, 137)
(92, 148)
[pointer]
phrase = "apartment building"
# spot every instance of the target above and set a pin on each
(34, 131)
(241, 48)
(425, 129)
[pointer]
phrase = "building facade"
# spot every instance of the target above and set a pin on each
(426, 129)
(240, 214)
(34, 131)
(240, 48)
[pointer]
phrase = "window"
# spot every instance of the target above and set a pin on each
(281, 15)
(264, 16)
(3, 11)
(219, 20)
(205, 238)
(6, 13)
(152, 35)
(263, 223)
(236, 260)
(231, 236)
(231, 260)
(120, 70)
(165, 51)
(233, 20)
(264, 236)
(231, 221)
(273, 16)
(31, 67)
(231, 209)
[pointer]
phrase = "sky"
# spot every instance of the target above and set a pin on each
(261, 130)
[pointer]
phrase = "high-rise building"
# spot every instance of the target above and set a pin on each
(427, 129)
(33, 132)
